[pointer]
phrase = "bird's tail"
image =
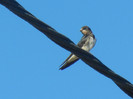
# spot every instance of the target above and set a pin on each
(69, 61)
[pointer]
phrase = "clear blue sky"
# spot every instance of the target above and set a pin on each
(29, 61)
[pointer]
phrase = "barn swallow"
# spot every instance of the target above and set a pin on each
(86, 43)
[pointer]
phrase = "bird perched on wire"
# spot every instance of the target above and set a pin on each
(86, 43)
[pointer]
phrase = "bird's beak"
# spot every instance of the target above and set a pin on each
(80, 30)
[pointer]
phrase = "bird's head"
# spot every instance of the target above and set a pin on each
(85, 30)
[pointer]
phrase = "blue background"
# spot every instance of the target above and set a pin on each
(29, 61)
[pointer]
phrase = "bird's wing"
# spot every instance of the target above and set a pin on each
(66, 59)
(82, 42)
(72, 58)
(69, 61)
